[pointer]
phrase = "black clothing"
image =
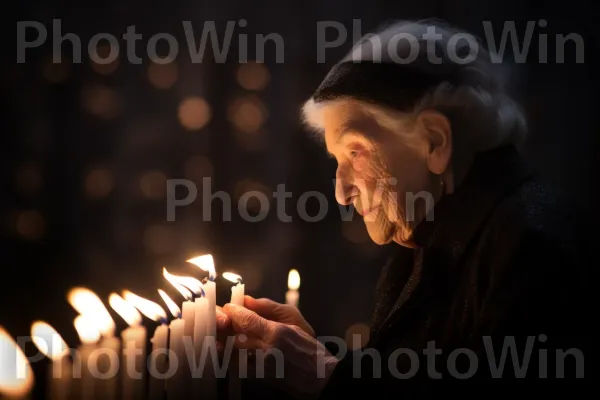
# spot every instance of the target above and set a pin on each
(504, 262)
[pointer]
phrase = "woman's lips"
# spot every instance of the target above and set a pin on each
(368, 212)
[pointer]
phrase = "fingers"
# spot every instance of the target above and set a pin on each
(223, 321)
(247, 321)
(266, 308)
(242, 341)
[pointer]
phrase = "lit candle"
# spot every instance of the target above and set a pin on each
(89, 335)
(157, 365)
(188, 313)
(206, 263)
(105, 359)
(133, 366)
(177, 385)
(238, 364)
(208, 384)
(292, 295)
(52, 345)
(237, 291)
(16, 375)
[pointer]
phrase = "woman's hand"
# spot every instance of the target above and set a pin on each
(283, 345)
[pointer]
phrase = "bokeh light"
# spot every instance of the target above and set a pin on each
(29, 178)
(101, 101)
(253, 76)
(154, 184)
(247, 114)
(163, 76)
(197, 168)
(103, 51)
(56, 72)
(255, 194)
(194, 113)
(99, 183)
(159, 239)
(30, 225)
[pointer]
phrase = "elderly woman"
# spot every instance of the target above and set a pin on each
(488, 279)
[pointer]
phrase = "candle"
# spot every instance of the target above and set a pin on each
(177, 385)
(52, 345)
(292, 295)
(237, 291)
(157, 364)
(206, 263)
(188, 313)
(99, 374)
(133, 364)
(16, 375)
(238, 364)
(89, 335)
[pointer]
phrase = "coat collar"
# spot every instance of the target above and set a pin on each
(457, 216)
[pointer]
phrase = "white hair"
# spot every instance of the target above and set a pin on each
(482, 117)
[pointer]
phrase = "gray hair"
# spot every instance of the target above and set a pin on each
(482, 117)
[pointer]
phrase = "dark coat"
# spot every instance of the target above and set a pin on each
(504, 260)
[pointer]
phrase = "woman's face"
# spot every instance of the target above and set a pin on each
(387, 181)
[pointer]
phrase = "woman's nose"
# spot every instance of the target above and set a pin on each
(343, 189)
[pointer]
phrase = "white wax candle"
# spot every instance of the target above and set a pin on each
(158, 361)
(176, 385)
(88, 381)
(235, 389)
(204, 385)
(292, 295)
(188, 315)
(107, 361)
(211, 318)
(134, 362)
(237, 294)
(59, 378)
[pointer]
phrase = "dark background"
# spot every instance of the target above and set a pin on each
(86, 150)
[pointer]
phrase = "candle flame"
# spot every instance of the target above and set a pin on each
(175, 310)
(230, 276)
(87, 329)
(48, 340)
(87, 302)
(176, 281)
(16, 375)
(149, 308)
(293, 280)
(125, 309)
(206, 263)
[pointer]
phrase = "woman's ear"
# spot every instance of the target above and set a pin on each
(439, 137)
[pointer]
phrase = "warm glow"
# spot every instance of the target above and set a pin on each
(187, 282)
(87, 329)
(206, 263)
(174, 280)
(127, 311)
(88, 303)
(149, 308)
(175, 310)
(48, 341)
(194, 112)
(293, 280)
(230, 276)
(16, 375)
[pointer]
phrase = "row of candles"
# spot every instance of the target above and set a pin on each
(108, 367)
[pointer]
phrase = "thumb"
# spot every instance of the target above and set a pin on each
(246, 321)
